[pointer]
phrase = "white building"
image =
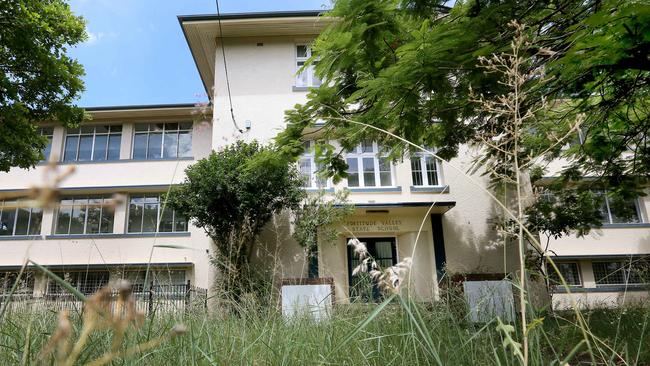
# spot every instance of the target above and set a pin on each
(417, 208)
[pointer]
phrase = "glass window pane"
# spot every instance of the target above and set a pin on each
(170, 144)
(305, 170)
(432, 172)
(142, 127)
(155, 145)
(70, 150)
(114, 143)
(301, 51)
(383, 250)
(88, 130)
(94, 215)
(135, 215)
(369, 172)
(171, 127)
(315, 81)
(116, 128)
(353, 172)
(48, 148)
(185, 125)
(63, 217)
(78, 216)
(7, 220)
(366, 146)
(385, 172)
(99, 150)
(180, 222)
(301, 79)
(185, 144)
(150, 215)
(140, 146)
(623, 211)
(22, 221)
(416, 171)
(36, 220)
(101, 129)
(85, 148)
(166, 221)
(106, 224)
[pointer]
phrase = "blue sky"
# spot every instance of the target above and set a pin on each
(136, 53)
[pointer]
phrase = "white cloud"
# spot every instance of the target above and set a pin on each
(95, 37)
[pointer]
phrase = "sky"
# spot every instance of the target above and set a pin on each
(136, 53)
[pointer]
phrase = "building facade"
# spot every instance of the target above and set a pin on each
(109, 220)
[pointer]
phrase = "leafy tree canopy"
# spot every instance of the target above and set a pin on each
(232, 194)
(38, 81)
(407, 67)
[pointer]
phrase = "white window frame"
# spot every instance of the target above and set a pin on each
(423, 170)
(94, 134)
(158, 215)
(105, 201)
(375, 154)
(310, 155)
(577, 264)
(16, 209)
(163, 132)
(608, 214)
(626, 268)
(309, 70)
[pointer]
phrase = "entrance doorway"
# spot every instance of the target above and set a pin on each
(384, 251)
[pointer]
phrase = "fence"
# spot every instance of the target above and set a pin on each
(156, 299)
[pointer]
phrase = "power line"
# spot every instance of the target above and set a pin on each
(225, 67)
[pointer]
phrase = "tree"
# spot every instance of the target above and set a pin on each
(393, 66)
(315, 223)
(232, 194)
(38, 81)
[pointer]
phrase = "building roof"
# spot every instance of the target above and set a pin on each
(146, 112)
(202, 32)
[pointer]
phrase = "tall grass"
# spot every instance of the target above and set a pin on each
(404, 332)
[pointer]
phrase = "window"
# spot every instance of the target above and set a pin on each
(17, 219)
(569, 270)
(307, 77)
(617, 211)
(48, 133)
(146, 215)
(366, 168)
(424, 170)
(384, 252)
(635, 271)
(93, 143)
(86, 282)
(85, 215)
(309, 168)
(159, 278)
(162, 140)
(25, 286)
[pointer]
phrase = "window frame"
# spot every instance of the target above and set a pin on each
(87, 206)
(608, 218)
(309, 154)
(376, 155)
(16, 209)
(551, 272)
(162, 132)
(94, 135)
(626, 266)
(159, 212)
(47, 132)
(423, 172)
(310, 73)
(53, 289)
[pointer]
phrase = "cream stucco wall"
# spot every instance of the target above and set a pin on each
(122, 177)
(261, 72)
